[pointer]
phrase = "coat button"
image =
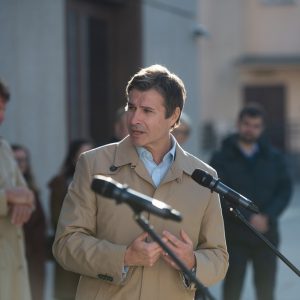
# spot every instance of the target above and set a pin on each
(113, 168)
(105, 277)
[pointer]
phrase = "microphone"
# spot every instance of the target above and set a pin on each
(216, 185)
(110, 188)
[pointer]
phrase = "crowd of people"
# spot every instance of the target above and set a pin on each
(99, 251)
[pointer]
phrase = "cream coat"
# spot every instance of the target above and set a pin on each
(14, 282)
(93, 232)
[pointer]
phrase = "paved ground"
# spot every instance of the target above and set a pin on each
(288, 283)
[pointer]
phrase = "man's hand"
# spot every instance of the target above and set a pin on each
(260, 222)
(20, 214)
(182, 248)
(142, 253)
(20, 195)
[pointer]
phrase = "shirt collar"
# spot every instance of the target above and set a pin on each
(144, 153)
(253, 151)
(126, 153)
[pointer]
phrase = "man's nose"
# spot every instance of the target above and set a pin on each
(135, 117)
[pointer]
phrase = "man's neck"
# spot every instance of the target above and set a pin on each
(159, 153)
(247, 147)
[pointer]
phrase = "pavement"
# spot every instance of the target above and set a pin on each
(288, 282)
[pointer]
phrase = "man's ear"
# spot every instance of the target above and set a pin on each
(175, 116)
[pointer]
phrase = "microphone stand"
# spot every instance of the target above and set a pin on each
(144, 224)
(237, 214)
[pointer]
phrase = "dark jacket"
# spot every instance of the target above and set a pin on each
(263, 178)
(65, 282)
(36, 249)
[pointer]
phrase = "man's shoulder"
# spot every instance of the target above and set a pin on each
(3, 142)
(192, 162)
(112, 156)
(4, 146)
(105, 150)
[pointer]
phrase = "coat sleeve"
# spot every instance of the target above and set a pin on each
(3, 203)
(211, 254)
(76, 246)
(10, 175)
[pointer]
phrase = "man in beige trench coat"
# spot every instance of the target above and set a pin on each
(100, 240)
(16, 205)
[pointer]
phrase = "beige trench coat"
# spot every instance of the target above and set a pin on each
(93, 232)
(14, 282)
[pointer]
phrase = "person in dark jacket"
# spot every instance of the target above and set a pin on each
(247, 163)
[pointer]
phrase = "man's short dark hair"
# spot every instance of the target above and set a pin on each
(169, 85)
(4, 91)
(252, 111)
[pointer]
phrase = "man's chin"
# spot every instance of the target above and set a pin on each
(249, 140)
(136, 141)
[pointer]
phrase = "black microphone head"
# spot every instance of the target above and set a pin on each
(202, 177)
(104, 186)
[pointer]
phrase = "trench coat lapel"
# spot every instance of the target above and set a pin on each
(180, 165)
(126, 154)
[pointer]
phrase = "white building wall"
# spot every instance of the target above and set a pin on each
(168, 39)
(219, 76)
(272, 29)
(32, 62)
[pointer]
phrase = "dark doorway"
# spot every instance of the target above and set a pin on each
(272, 99)
(103, 52)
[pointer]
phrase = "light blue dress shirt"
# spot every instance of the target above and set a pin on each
(157, 172)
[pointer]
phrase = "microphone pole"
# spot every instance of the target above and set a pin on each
(237, 214)
(232, 200)
(201, 290)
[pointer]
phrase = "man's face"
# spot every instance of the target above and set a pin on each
(146, 121)
(250, 129)
(2, 109)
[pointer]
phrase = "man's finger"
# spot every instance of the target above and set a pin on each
(185, 237)
(142, 236)
(172, 238)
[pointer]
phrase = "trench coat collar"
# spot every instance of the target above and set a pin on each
(126, 154)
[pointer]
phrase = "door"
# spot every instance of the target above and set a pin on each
(272, 99)
(103, 52)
